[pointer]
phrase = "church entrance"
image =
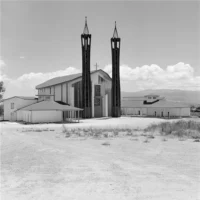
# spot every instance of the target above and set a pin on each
(98, 110)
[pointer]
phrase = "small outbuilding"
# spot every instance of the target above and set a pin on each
(47, 111)
(15, 103)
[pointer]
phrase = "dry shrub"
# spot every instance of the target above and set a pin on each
(179, 128)
(146, 140)
(97, 132)
(66, 131)
(150, 137)
(106, 144)
(134, 139)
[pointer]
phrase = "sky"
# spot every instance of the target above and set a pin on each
(160, 42)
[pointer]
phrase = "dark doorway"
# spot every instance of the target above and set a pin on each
(139, 112)
(168, 114)
(98, 107)
(162, 114)
(155, 114)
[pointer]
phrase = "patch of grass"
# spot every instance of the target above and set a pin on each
(98, 132)
(179, 128)
(106, 144)
(182, 139)
(146, 140)
(164, 139)
(134, 139)
(150, 137)
(35, 130)
(66, 131)
(144, 134)
(197, 140)
(38, 130)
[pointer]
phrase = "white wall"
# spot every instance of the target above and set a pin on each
(26, 116)
(64, 92)
(18, 103)
(58, 93)
(185, 112)
(134, 111)
(46, 116)
(19, 115)
(173, 112)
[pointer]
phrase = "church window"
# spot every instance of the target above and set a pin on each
(97, 90)
(12, 105)
(100, 80)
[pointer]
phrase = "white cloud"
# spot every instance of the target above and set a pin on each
(3, 77)
(25, 84)
(179, 76)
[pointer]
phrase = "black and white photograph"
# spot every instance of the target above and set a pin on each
(100, 100)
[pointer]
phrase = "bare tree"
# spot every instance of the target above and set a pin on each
(2, 90)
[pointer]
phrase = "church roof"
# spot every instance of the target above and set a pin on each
(49, 105)
(86, 30)
(159, 104)
(63, 79)
(115, 33)
(20, 97)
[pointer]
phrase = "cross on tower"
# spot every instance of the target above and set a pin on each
(96, 66)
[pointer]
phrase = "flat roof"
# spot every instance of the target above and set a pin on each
(159, 104)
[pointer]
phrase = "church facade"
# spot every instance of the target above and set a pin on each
(68, 90)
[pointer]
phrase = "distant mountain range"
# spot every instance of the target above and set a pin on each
(190, 97)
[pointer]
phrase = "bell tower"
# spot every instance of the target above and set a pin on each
(86, 79)
(116, 91)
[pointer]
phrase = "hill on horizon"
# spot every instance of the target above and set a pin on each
(187, 96)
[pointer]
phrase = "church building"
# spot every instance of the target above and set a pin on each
(68, 90)
(85, 95)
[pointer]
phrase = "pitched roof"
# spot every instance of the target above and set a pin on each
(159, 104)
(21, 97)
(132, 103)
(63, 79)
(49, 105)
(168, 104)
(150, 95)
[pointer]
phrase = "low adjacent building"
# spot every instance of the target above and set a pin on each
(47, 111)
(154, 106)
(15, 103)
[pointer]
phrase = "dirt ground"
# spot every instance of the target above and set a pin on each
(48, 166)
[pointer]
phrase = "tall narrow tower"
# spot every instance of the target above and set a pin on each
(116, 95)
(86, 79)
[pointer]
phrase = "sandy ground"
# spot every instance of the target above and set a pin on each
(46, 165)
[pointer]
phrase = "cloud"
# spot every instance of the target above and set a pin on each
(3, 77)
(25, 84)
(178, 76)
